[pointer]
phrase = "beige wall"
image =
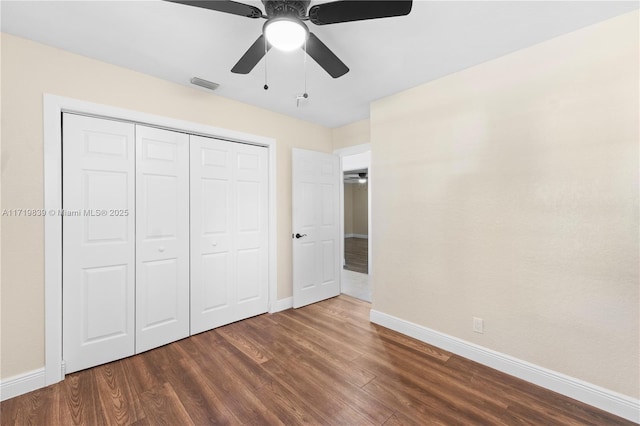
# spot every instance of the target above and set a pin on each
(348, 208)
(356, 219)
(29, 70)
(360, 209)
(523, 204)
(356, 133)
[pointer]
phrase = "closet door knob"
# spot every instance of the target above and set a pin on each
(214, 244)
(161, 249)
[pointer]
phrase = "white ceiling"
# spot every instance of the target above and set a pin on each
(176, 42)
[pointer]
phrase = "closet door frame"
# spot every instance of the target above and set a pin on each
(53, 107)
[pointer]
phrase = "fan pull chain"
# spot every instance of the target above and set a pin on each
(266, 86)
(305, 95)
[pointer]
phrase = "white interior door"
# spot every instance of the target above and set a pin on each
(316, 226)
(162, 237)
(98, 241)
(229, 232)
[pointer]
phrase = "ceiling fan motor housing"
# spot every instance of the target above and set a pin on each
(275, 8)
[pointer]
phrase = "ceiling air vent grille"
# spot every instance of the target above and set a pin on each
(204, 83)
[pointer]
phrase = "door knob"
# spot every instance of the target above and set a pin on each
(161, 249)
(214, 244)
(300, 235)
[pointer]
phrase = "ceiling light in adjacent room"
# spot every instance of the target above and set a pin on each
(285, 33)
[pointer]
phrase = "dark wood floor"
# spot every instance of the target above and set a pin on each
(356, 254)
(321, 364)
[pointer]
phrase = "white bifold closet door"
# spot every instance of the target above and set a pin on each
(162, 237)
(229, 232)
(131, 279)
(98, 260)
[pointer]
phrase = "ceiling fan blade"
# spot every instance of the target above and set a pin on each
(348, 11)
(251, 57)
(231, 7)
(325, 57)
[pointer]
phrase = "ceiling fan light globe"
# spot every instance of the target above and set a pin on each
(286, 34)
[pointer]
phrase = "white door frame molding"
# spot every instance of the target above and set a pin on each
(53, 107)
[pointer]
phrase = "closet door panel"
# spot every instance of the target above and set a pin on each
(212, 273)
(252, 228)
(215, 291)
(248, 281)
(228, 218)
(98, 241)
(162, 228)
(214, 239)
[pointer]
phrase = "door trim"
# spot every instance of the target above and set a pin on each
(53, 107)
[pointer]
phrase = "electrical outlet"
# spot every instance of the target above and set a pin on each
(478, 325)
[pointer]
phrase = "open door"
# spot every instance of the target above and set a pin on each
(316, 235)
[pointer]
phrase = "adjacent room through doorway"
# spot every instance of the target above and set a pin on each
(356, 235)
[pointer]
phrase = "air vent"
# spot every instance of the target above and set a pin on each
(204, 83)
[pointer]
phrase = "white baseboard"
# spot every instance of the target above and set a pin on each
(282, 305)
(356, 236)
(607, 400)
(21, 384)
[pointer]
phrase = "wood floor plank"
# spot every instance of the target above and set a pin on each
(356, 254)
(406, 419)
(142, 372)
(408, 342)
(81, 396)
(331, 376)
(290, 407)
(119, 403)
(201, 402)
(142, 422)
(241, 397)
(231, 359)
(419, 411)
(234, 333)
(344, 334)
(317, 338)
(430, 380)
(345, 316)
(496, 383)
(346, 308)
(190, 383)
(323, 364)
(295, 377)
(40, 407)
(329, 360)
(163, 407)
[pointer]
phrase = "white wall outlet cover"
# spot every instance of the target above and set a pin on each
(478, 325)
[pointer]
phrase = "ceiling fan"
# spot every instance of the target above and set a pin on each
(285, 28)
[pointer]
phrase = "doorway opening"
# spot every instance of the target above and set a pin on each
(356, 202)
(356, 221)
